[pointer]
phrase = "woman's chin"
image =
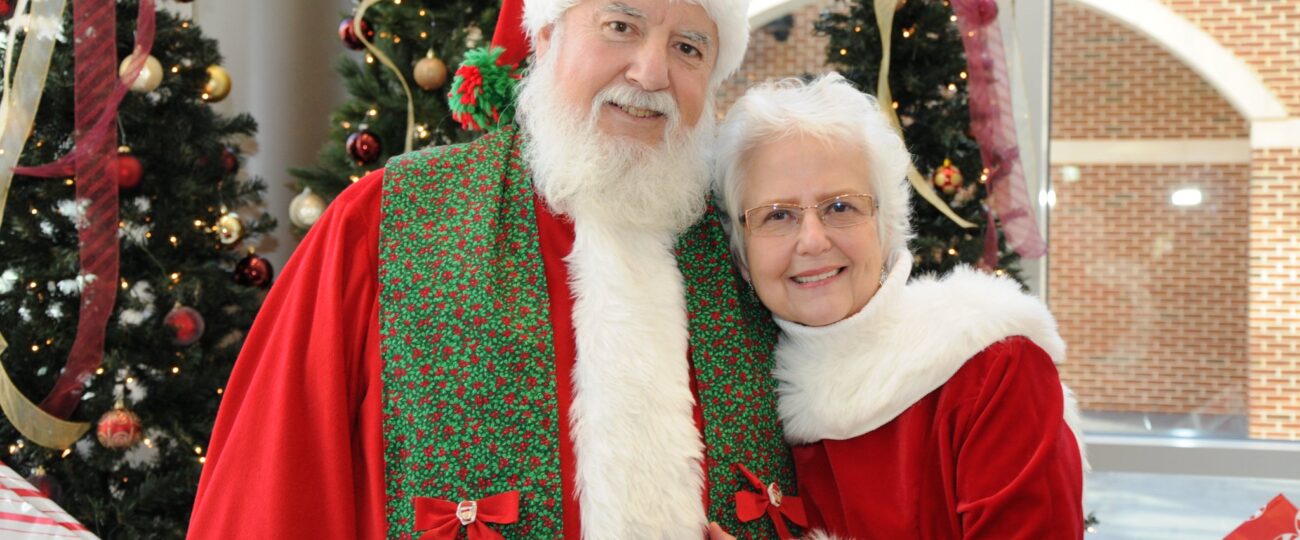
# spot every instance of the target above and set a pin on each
(818, 317)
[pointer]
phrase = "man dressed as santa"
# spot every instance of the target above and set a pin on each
(538, 334)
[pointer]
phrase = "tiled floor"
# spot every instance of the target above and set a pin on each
(1176, 507)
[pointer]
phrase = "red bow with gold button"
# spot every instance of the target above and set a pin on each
(439, 519)
(751, 506)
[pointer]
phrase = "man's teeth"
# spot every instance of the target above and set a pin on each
(817, 277)
(638, 112)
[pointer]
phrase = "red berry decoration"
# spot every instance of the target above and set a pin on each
(119, 429)
(129, 171)
(229, 160)
(349, 37)
(185, 323)
(253, 271)
(363, 147)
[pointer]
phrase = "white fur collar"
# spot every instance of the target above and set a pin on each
(908, 340)
(639, 453)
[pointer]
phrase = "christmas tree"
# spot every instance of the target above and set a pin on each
(928, 82)
(423, 40)
(186, 292)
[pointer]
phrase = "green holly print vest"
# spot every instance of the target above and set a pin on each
(470, 406)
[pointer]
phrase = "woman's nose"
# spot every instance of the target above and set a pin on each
(812, 238)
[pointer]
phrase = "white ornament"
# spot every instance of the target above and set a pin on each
(75, 211)
(306, 208)
(76, 285)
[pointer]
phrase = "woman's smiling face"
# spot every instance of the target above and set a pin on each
(815, 275)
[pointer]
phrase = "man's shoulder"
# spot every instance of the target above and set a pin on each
(493, 147)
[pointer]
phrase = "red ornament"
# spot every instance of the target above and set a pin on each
(349, 37)
(129, 171)
(948, 178)
(984, 12)
(6, 9)
(119, 428)
(229, 160)
(48, 487)
(363, 147)
(186, 325)
(254, 271)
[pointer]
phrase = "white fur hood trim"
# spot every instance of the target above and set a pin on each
(638, 451)
(848, 378)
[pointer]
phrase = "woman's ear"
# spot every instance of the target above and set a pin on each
(744, 272)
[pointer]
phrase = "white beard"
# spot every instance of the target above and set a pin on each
(581, 172)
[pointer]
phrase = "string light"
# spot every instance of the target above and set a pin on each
(176, 277)
(125, 285)
(185, 24)
(963, 75)
(19, 442)
(130, 380)
(857, 28)
(346, 124)
(895, 105)
(198, 224)
(34, 210)
(422, 12)
(198, 450)
(354, 178)
(952, 87)
(907, 32)
(953, 18)
(66, 452)
(175, 370)
(176, 69)
(952, 251)
(173, 240)
(844, 52)
(372, 112)
(36, 348)
(370, 59)
(147, 442)
(31, 285)
(424, 35)
(99, 371)
(67, 182)
(220, 391)
(397, 39)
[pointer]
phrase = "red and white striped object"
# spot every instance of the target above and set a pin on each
(26, 513)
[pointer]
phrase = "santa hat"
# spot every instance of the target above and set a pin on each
(731, 17)
(482, 93)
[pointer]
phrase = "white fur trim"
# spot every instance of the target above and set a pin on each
(639, 453)
(893, 344)
(731, 17)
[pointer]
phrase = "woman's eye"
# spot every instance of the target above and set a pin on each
(689, 50)
(841, 207)
(620, 27)
(777, 215)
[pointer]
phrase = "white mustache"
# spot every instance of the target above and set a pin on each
(628, 96)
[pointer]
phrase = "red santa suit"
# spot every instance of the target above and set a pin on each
(935, 412)
(298, 449)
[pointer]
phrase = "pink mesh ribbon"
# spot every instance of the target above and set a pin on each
(993, 125)
(98, 92)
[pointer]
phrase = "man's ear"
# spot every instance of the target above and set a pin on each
(543, 42)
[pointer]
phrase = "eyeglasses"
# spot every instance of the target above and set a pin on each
(784, 219)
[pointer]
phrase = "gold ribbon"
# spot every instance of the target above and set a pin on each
(17, 113)
(885, 22)
(37, 425)
(387, 62)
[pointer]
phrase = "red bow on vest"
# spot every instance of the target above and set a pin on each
(751, 506)
(438, 519)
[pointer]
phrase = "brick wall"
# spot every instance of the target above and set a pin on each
(1111, 83)
(1152, 298)
(1263, 33)
(802, 53)
(1275, 294)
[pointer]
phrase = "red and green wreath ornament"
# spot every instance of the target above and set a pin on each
(482, 94)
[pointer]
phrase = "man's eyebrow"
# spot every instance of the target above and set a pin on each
(619, 7)
(698, 37)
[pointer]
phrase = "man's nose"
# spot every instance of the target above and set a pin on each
(649, 68)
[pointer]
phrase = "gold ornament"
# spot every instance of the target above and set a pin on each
(947, 177)
(230, 229)
(306, 208)
(150, 76)
(430, 72)
(218, 85)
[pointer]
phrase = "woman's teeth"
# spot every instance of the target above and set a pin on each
(817, 277)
